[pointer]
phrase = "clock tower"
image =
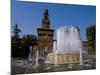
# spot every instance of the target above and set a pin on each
(45, 36)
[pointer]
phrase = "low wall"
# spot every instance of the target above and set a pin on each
(63, 58)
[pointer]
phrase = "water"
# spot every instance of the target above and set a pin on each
(30, 57)
(68, 40)
(51, 68)
(80, 56)
(55, 51)
(56, 63)
(37, 58)
(32, 61)
(54, 46)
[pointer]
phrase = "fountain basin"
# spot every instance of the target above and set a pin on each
(63, 58)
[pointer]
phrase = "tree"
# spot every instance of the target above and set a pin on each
(30, 39)
(15, 41)
(91, 36)
(20, 46)
(16, 31)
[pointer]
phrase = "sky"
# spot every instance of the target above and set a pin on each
(29, 15)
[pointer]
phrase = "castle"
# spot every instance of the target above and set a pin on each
(45, 36)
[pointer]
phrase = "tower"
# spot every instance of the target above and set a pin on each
(45, 35)
(45, 20)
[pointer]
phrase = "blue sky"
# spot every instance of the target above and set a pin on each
(29, 16)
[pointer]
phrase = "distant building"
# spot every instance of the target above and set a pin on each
(45, 36)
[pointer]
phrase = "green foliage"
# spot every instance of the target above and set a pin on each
(91, 36)
(16, 31)
(30, 39)
(20, 46)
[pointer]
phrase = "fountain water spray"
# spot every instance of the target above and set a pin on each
(55, 50)
(30, 57)
(80, 56)
(68, 39)
(36, 61)
(56, 63)
(54, 46)
(37, 58)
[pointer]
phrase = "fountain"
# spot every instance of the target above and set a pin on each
(30, 57)
(68, 47)
(67, 50)
(80, 56)
(32, 61)
(54, 46)
(36, 60)
(56, 62)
